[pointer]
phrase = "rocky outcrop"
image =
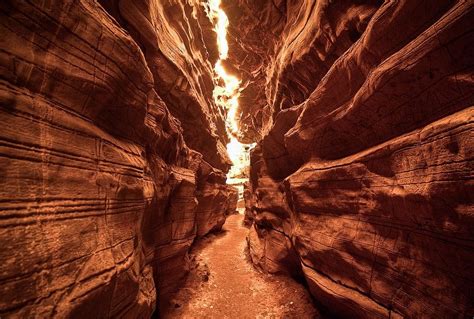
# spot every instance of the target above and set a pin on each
(362, 181)
(215, 200)
(270, 247)
(248, 204)
(388, 230)
(111, 155)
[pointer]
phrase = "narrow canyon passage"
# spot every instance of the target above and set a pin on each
(226, 285)
(131, 131)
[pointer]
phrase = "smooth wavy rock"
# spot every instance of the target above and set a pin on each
(101, 194)
(367, 177)
(282, 49)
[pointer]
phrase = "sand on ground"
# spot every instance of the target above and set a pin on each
(225, 285)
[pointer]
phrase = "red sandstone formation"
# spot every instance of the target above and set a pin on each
(363, 182)
(282, 49)
(101, 194)
(113, 161)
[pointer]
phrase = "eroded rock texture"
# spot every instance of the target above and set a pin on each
(362, 181)
(180, 48)
(282, 49)
(111, 154)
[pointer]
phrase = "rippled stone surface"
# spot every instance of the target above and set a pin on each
(364, 173)
(110, 157)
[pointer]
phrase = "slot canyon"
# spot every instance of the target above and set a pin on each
(237, 159)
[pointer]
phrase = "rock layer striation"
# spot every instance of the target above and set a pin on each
(111, 154)
(362, 180)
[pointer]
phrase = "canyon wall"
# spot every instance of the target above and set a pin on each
(362, 180)
(112, 155)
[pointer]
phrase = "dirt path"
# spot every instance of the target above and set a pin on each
(225, 285)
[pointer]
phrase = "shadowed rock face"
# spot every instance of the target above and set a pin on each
(111, 154)
(180, 49)
(362, 181)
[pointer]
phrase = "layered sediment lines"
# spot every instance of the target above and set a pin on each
(110, 156)
(362, 182)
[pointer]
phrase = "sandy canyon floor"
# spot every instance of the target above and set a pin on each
(225, 285)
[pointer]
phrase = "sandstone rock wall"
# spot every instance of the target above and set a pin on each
(180, 49)
(110, 160)
(282, 49)
(363, 181)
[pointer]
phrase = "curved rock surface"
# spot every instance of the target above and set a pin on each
(174, 37)
(282, 49)
(362, 181)
(111, 155)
